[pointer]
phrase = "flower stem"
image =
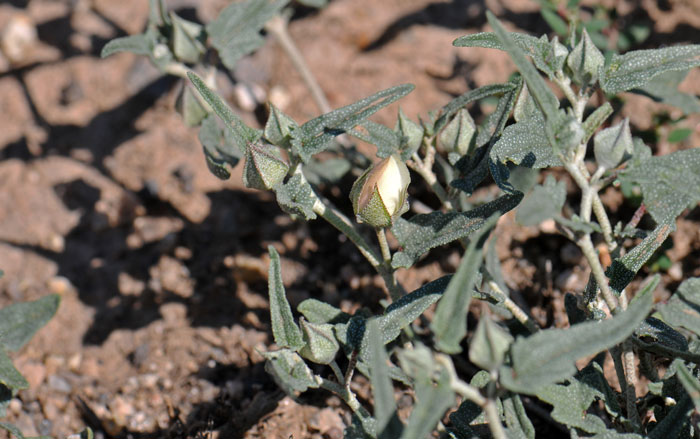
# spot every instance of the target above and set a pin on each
(388, 273)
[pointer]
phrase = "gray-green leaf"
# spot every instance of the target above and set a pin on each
(289, 371)
(544, 202)
(635, 69)
(450, 322)
(489, 344)
(9, 376)
(669, 183)
(549, 356)
(236, 31)
(424, 232)
(284, 329)
(683, 308)
(388, 425)
(20, 321)
(613, 145)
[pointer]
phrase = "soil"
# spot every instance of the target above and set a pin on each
(105, 199)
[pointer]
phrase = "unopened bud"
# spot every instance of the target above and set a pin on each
(379, 195)
(264, 167)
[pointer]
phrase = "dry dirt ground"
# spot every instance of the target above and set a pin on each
(105, 199)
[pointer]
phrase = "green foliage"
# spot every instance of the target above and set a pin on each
(454, 154)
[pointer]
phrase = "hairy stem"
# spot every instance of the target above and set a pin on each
(349, 398)
(388, 273)
(424, 169)
(277, 26)
(517, 312)
(494, 420)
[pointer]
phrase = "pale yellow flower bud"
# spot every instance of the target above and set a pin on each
(379, 195)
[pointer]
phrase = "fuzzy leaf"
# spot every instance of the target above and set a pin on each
(386, 140)
(670, 183)
(570, 403)
(635, 69)
(450, 322)
(297, 197)
(458, 134)
(541, 93)
(289, 371)
(264, 166)
(460, 102)
(585, 60)
(9, 376)
(525, 143)
(613, 145)
(279, 127)
(20, 321)
(141, 44)
(242, 133)
(191, 110)
(236, 31)
(656, 332)
(14, 431)
(664, 88)
(317, 134)
(424, 232)
(219, 147)
(408, 308)
(320, 344)
(316, 311)
(388, 424)
(489, 344)
(544, 202)
(595, 120)
(187, 39)
(284, 329)
(411, 135)
(432, 402)
(683, 308)
(519, 425)
(623, 269)
(549, 356)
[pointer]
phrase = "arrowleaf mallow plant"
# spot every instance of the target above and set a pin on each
(515, 366)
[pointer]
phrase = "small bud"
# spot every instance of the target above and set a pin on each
(613, 145)
(585, 61)
(321, 345)
(379, 195)
(264, 168)
(411, 134)
(458, 133)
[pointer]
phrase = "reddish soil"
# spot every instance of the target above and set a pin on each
(105, 199)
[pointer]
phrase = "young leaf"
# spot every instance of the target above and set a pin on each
(458, 134)
(460, 102)
(525, 143)
(669, 183)
(279, 127)
(664, 88)
(595, 120)
(450, 322)
(613, 145)
(411, 135)
(317, 134)
(284, 329)
(386, 140)
(233, 122)
(297, 197)
(187, 39)
(236, 31)
(20, 321)
(320, 344)
(683, 308)
(635, 69)
(316, 311)
(585, 61)
(544, 202)
(289, 371)
(9, 376)
(424, 232)
(489, 344)
(519, 425)
(141, 44)
(388, 424)
(264, 166)
(542, 94)
(432, 402)
(549, 356)
(623, 269)
(404, 311)
(219, 147)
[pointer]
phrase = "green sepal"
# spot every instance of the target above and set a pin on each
(264, 167)
(321, 345)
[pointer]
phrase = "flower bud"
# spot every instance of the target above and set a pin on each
(321, 345)
(264, 167)
(379, 195)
